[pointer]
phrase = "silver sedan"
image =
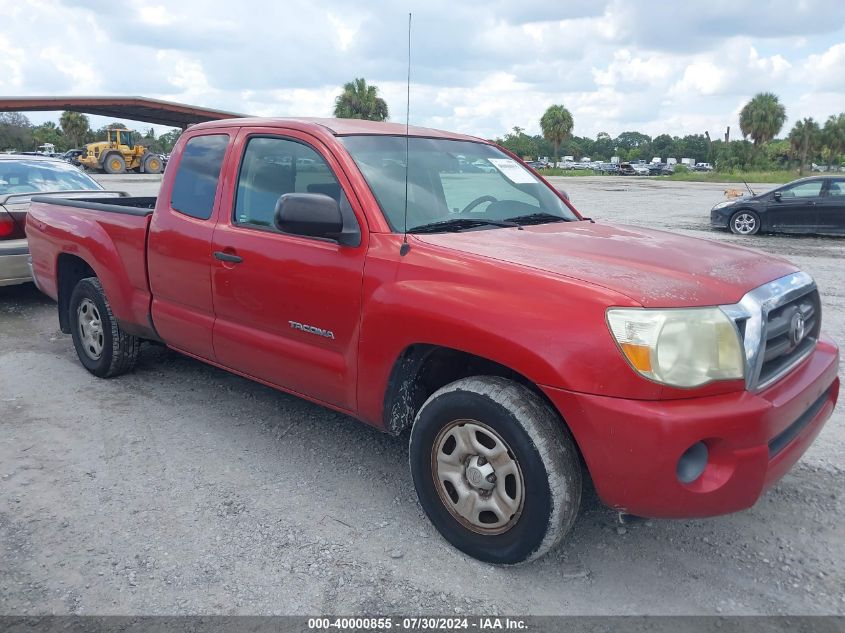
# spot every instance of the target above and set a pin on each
(21, 177)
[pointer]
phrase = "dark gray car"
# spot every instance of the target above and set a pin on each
(814, 205)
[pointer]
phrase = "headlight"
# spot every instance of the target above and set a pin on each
(682, 348)
(722, 205)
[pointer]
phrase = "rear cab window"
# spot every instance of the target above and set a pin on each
(198, 174)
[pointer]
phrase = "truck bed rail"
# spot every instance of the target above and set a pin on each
(139, 206)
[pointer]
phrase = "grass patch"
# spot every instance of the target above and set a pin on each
(774, 177)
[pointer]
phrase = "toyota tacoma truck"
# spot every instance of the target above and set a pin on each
(524, 347)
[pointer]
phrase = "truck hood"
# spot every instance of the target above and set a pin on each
(653, 268)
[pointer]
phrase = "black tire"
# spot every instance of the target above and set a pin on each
(536, 440)
(744, 222)
(152, 164)
(118, 351)
(113, 163)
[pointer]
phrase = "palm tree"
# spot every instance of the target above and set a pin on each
(833, 136)
(74, 126)
(360, 101)
(556, 124)
(762, 118)
(803, 139)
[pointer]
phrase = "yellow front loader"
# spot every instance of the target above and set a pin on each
(120, 153)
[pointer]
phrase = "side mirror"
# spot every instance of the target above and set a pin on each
(778, 195)
(309, 214)
(563, 193)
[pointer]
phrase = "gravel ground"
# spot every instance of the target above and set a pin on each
(183, 489)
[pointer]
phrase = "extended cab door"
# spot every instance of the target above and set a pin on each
(287, 307)
(179, 257)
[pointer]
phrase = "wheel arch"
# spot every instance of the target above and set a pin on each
(422, 368)
(746, 208)
(70, 270)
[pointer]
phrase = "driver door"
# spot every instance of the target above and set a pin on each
(795, 209)
(287, 307)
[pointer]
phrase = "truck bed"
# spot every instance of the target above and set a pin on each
(107, 236)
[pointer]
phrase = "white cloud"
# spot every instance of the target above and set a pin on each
(81, 73)
(701, 78)
(774, 67)
(634, 72)
(479, 66)
(11, 66)
(827, 70)
(155, 15)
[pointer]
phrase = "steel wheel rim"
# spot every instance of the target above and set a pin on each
(464, 456)
(90, 329)
(744, 223)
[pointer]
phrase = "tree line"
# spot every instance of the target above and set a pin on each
(761, 120)
(73, 131)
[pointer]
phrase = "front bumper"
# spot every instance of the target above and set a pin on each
(632, 447)
(719, 218)
(14, 262)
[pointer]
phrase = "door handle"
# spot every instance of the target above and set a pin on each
(228, 257)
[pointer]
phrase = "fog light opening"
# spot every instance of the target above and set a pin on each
(692, 463)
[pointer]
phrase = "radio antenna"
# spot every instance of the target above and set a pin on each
(403, 250)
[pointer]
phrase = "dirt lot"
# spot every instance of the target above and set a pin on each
(183, 489)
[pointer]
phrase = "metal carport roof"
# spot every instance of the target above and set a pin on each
(135, 108)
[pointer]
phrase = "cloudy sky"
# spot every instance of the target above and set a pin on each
(479, 67)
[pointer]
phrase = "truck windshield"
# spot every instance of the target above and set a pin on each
(452, 180)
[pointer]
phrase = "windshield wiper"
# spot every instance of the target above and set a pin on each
(459, 224)
(536, 218)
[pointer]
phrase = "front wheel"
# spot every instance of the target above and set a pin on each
(745, 222)
(114, 164)
(103, 348)
(495, 470)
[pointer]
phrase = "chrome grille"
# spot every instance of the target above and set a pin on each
(768, 320)
(780, 349)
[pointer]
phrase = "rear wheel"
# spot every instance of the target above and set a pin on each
(152, 164)
(495, 470)
(745, 222)
(103, 348)
(114, 164)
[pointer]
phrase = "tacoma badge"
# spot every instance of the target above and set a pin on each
(311, 329)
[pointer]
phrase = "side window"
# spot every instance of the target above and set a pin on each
(272, 167)
(837, 189)
(810, 189)
(197, 175)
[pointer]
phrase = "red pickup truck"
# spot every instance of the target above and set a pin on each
(432, 282)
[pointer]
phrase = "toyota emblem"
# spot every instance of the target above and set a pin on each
(797, 328)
